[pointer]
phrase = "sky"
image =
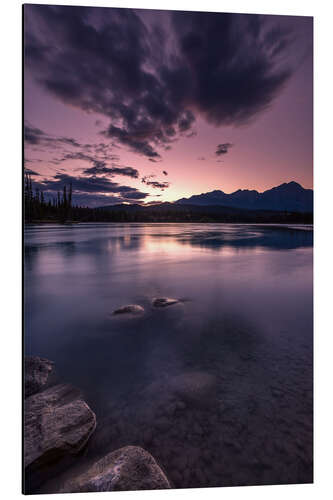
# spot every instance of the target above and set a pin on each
(141, 106)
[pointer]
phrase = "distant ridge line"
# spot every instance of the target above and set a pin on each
(289, 196)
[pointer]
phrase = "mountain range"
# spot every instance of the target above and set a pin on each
(289, 196)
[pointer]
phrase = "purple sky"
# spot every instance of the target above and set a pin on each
(141, 106)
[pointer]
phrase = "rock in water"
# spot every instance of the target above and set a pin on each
(129, 309)
(195, 387)
(57, 422)
(129, 468)
(164, 302)
(37, 372)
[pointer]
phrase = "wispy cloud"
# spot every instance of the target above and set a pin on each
(222, 149)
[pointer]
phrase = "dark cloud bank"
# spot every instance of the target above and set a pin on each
(152, 79)
(91, 189)
(228, 67)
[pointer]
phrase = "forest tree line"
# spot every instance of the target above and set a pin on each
(36, 207)
(60, 209)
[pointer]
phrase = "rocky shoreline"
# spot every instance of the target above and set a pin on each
(58, 424)
(241, 417)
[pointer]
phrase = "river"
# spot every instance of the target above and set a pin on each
(218, 387)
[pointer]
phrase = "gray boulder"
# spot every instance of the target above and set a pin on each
(37, 374)
(57, 422)
(129, 468)
(129, 309)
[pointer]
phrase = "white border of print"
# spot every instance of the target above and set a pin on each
(10, 123)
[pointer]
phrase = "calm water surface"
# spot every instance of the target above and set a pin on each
(218, 387)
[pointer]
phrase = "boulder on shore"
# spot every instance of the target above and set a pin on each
(129, 468)
(164, 302)
(129, 309)
(37, 374)
(57, 422)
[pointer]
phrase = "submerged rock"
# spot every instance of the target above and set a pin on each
(57, 422)
(165, 301)
(182, 392)
(195, 387)
(37, 374)
(130, 309)
(129, 468)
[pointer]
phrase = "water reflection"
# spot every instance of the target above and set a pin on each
(218, 388)
(277, 238)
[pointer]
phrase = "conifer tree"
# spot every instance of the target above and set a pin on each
(70, 195)
(64, 201)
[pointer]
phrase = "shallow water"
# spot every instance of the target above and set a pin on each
(218, 387)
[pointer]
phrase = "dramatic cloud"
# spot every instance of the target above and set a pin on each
(154, 184)
(102, 169)
(185, 122)
(35, 136)
(151, 83)
(234, 63)
(100, 166)
(222, 149)
(129, 138)
(96, 154)
(78, 155)
(158, 185)
(85, 186)
(32, 135)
